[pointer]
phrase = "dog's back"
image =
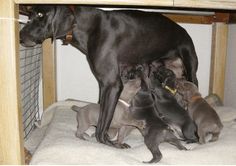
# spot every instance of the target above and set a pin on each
(206, 118)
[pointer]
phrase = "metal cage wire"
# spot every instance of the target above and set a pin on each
(30, 74)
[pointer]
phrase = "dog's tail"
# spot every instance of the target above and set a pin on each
(75, 108)
(188, 55)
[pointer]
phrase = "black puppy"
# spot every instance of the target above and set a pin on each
(173, 113)
(156, 131)
(109, 38)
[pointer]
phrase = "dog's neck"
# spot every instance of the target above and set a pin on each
(84, 18)
(68, 38)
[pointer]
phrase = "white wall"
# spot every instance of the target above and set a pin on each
(75, 80)
(230, 78)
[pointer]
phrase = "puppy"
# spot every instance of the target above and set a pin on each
(205, 117)
(167, 105)
(122, 120)
(156, 131)
(188, 96)
(173, 63)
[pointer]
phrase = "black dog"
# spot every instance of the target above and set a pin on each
(167, 105)
(109, 38)
(156, 131)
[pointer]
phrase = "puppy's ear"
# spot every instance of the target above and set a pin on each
(62, 22)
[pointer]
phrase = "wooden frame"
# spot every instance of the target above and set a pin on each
(218, 58)
(11, 133)
(11, 140)
(49, 74)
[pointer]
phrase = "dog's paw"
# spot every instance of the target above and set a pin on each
(121, 146)
(154, 160)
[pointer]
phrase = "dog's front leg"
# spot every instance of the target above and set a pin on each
(110, 92)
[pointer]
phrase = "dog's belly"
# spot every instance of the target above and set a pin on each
(139, 52)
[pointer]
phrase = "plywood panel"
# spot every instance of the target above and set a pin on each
(49, 74)
(102, 2)
(11, 138)
(218, 61)
(216, 4)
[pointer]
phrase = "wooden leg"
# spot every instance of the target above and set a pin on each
(218, 60)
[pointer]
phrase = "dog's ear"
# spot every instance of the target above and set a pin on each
(62, 21)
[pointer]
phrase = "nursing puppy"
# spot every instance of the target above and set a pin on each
(167, 105)
(122, 120)
(188, 96)
(205, 117)
(156, 131)
(175, 64)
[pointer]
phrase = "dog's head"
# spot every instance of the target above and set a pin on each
(166, 77)
(46, 21)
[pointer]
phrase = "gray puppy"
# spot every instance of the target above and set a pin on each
(122, 120)
(205, 117)
(188, 96)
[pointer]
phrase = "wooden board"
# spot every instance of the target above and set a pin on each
(11, 132)
(102, 2)
(49, 74)
(208, 4)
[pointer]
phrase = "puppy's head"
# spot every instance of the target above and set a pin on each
(131, 87)
(165, 77)
(46, 21)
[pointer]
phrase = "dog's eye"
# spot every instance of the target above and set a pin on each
(40, 14)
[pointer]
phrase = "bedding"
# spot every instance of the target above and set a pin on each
(54, 142)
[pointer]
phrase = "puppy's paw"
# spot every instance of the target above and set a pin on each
(154, 160)
(121, 146)
(183, 148)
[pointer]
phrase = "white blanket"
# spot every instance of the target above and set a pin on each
(54, 142)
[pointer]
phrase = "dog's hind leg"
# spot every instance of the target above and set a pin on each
(172, 139)
(122, 133)
(83, 125)
(156, 153)
(153, 146)
(201, 135)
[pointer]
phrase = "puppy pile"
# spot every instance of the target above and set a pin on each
(161, 106)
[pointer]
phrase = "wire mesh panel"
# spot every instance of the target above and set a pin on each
(30, 67)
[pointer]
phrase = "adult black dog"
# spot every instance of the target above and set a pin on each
(108, 38)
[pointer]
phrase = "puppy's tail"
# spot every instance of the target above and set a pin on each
(75, 108)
